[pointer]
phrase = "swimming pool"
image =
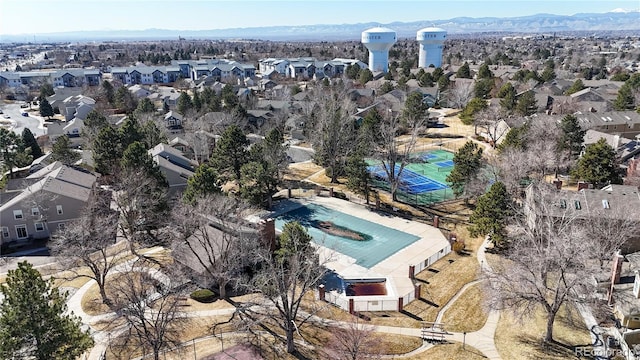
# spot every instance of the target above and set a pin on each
(381, 241)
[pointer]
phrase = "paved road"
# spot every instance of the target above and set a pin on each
(34, 121)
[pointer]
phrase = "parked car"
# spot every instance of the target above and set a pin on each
(0, 111)
(24, 113)
(24, 106)
(6, 116)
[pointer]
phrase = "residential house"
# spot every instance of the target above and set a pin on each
(175, 167)
(613, 202)
(173, 122)
(58, 196)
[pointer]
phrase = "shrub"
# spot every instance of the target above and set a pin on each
(458, 246)
(203, 295)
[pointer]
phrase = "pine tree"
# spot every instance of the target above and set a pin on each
(203, 182)
(415, 110)
(491, 213)
(464, 72)
(107, 150)
(61, 151)
(598, 165)
(466, 163)
(484, 72)
(230, 153)
(29, 141)
(184, 103)
(572, 134)
(577, 85)
(527, 104)
(46, 109)
(33, 319)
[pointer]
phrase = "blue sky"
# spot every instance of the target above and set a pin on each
(46, 16)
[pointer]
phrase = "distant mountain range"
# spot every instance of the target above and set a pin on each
(540, 23)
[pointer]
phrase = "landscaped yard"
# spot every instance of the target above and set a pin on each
(522, 339)
(449, 351)
(468, 313)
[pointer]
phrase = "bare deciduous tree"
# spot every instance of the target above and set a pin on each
(142, 204)
(88, 242)
(459, 95)
(394, 150)
(354, 341)
(213, 237)
(150, 307)
(549, 262)
(334, 132)
(489, 120)
(283, 278)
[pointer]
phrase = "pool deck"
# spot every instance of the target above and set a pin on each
(395, 267)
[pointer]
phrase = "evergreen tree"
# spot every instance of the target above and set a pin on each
(33, 319)
(358, 177)
(45, 91)
(484, 72)
(124, 100)
(229, 97)
(29, 141)
(108, 92)
(415, 110)
(9, 143)
(572, 135)
(230, 153)
(491, 213)
(482, 88)
(184, 103)
(598, 165)
(473, 107)
(203, 182)
(197, 102)
(129, 132)
(625, 99)
(464, 72)
(352, 71)
(386, 87)
(61, 151)
(548, 74)
(152, 135)
(258, 183)
(577, 85)
(145, 106)
(107, 150)
(365, 76)
(507, 95)
(135, 157)
(466, 163)
(515, 139)
(527, 104)
(45, 108)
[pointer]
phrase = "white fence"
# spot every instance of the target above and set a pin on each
(432, 259)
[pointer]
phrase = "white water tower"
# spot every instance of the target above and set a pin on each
(431, 40)
(378, 41)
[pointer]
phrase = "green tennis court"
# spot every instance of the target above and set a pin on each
(435, 165)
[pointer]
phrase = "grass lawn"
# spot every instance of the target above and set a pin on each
(468, 313)
(449, 351)
(445, 278)
(522, 340)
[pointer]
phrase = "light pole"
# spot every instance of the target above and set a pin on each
(464, 339)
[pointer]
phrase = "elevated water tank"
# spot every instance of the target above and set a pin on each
(431, 40)
(378, 41)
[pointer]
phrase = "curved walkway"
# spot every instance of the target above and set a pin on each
(482, 340)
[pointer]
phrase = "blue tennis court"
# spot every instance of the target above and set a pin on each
(428, 156)
(410, 181)
(446, 163)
